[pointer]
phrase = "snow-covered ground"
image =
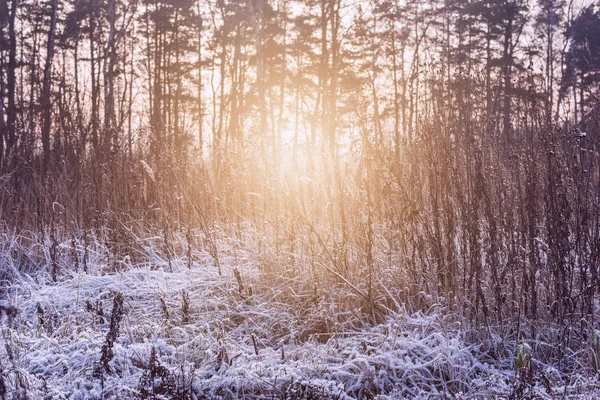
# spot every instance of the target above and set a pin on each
(195, 334)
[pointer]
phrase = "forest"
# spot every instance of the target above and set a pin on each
(299, 199)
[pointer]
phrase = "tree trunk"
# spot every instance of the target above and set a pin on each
(47, 87)
(108, 72)
(94, 82)
(507, 75)
(11, 110)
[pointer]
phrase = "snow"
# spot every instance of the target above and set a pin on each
(231, 345)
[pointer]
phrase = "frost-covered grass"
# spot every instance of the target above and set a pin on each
(197, 334)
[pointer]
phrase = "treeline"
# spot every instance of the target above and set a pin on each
(447, 146)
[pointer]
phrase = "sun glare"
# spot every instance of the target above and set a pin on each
(299, 199)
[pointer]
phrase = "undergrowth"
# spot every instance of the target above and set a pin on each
(254, 324)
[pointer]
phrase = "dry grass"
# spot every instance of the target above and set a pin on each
(292, 332)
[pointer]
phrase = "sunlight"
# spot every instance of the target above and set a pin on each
(299, 199)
